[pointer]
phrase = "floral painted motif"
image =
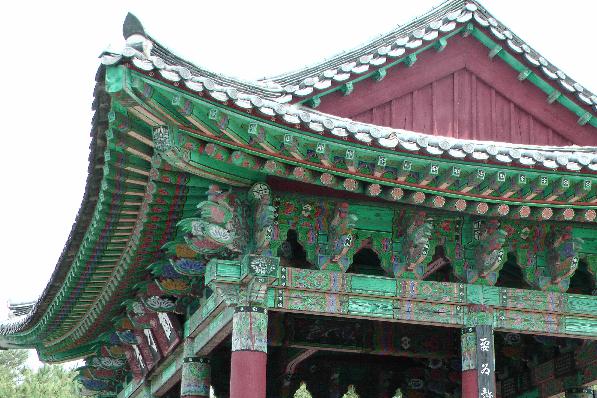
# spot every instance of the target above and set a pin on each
(415, 246)
(196, 377)
(220, 229)
(483, 256)
(340, 240)
(548, 256)
(160, 304)
(161, 138)
(188, 267)
(106, 362)
(249, 329)
(262, 265)
(263, 217)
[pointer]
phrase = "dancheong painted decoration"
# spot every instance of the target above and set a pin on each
(413, 218)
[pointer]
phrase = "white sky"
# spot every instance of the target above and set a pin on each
(49, 59)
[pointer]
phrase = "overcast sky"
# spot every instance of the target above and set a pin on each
(49, 60)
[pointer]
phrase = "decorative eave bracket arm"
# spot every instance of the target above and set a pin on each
(549, 256)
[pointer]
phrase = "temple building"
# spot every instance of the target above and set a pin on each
(415, 217)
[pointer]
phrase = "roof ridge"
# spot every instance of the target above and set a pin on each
(138, 38)
(82, 221)
(305, 82)
(566, 157)
(383, 51)
(372, 42)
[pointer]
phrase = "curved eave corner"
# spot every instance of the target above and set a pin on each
(144, 54)
(432, 30)
(203, 133)
(12, 329)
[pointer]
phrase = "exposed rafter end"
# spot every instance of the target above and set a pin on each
(301, 174)
(551, 98)
(456, 205)
(567, 214)
(416, 197)
(524, 74)
(313, 102)
(257, 137)
(410, 60)
(275, 168)
(495, 51)
(328, 180)
(347, 88)
(379, 74)
(441, 44)
(394, 194)
(373, 190)
(352, 185)
(585, 118)
(468, 30)
(322, 153)
(351, 160)
(291, 144)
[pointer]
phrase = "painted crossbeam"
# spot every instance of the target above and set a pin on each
(440, 303)
(279, 142)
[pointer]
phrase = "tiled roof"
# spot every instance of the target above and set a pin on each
(147, 55)
(377, 53)
(18, 309)
(95, 172)
(270, 98)
(447, 17)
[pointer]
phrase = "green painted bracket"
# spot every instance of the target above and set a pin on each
(114, 79)
(553, 94)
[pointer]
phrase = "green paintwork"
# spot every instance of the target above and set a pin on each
(446, 303)
(533, 78)
(114, 79)
(165, 146)
(369, 285)
(424, 174)
(495, 50)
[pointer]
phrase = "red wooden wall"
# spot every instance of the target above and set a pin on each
(463, 106)
(460, 92)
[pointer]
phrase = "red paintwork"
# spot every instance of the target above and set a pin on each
(165, 344)
(136, 368)
(247, 374)
(279, 184)
(470, 389)
(460, 92)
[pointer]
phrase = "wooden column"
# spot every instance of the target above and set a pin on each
(469, 363)
(335, 384)
(249, 352)
(286, 383)
(196, 374)
(478, 362)
(580, 392)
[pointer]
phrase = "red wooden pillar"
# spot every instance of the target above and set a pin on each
(478, 362)
(249, 352)
(469, 363)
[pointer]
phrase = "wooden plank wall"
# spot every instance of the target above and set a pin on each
(461, 92)
(463, 106)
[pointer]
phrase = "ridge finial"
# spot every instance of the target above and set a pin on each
(132, 26)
